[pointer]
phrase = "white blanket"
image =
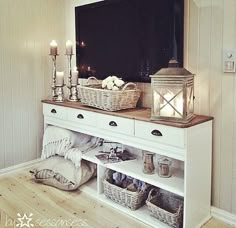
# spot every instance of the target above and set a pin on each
(66, 143)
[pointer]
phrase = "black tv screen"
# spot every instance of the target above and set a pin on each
(131, 39)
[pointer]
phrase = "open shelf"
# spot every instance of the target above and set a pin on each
(133, 168)
(141, 214)
(90, 155)
(174, 184)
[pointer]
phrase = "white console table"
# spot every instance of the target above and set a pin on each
(190, 143)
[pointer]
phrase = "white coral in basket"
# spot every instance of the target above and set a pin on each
(112, 83)
(115, 88)
(118, 82)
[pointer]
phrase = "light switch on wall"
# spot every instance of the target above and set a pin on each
(229, 60)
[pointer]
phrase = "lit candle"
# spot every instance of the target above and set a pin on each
(53, 47)
(59, 78)
(75, 74)
(82, 44)
(89, 68)
(69, 47)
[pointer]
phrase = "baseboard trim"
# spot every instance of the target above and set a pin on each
(19, 167)
(204, 221)
(223, 216)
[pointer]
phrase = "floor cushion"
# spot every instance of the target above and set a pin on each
(62, 173)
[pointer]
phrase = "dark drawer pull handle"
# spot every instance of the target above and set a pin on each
(113, 124)
(156, 133)
(53, 111)
(80, 116)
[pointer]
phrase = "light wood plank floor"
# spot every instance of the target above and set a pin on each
(51, 207)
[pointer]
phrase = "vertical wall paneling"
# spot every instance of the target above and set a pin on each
(215, 95)
(193, 44)
(234, 124)
(211, 30)
(186, 32)
(202, 77)
(26, 29)
(227, 109)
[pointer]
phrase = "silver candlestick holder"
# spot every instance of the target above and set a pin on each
(60, 93)
(54, 94)
(57, 90)
(73, 91)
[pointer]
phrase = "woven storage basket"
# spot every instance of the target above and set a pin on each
(93, 95)
(165, 208)
(132, 200)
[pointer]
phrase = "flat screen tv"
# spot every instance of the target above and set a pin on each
(131, 39)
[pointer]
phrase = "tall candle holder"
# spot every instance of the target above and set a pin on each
(54, 94)
(73, 91)
(57, 90)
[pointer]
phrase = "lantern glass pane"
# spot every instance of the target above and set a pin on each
(156, 102)
(179, 104)
(190, 99)
(168, 102)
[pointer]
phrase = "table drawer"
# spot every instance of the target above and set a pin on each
(55, 111)
(116, 124)
(82, 116)
(160, 133)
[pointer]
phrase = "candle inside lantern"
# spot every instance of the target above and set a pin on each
(167, 109)
(53, 47)
(59, 78)
(75, 74)
(69, 47)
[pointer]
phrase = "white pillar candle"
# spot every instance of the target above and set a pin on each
(75, 74)
(53, 47)
(69, 47)
(59, 78)
(89, 68)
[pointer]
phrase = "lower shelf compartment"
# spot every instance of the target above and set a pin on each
(141, 214)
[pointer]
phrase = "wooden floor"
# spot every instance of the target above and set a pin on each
(45, 207)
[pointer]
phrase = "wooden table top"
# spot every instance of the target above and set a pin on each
(143, 114)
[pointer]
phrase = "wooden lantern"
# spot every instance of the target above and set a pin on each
(172, 94)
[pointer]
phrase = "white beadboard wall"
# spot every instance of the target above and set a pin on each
(26, 29)
(210, 26)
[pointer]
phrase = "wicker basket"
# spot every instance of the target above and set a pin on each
(93, 95)
(165, 208)
(132, 200)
